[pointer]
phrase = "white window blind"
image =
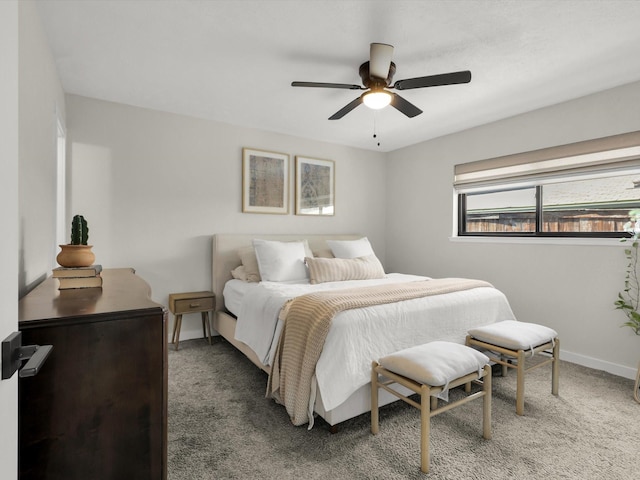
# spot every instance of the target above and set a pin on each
(599, 157)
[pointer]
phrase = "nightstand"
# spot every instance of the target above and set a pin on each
(191, 302)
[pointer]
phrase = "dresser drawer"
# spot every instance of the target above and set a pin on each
(187, 305)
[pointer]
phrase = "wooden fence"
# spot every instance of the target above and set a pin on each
(563, 222)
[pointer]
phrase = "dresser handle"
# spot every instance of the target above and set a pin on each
(194, 305)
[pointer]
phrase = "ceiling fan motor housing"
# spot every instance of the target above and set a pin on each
(375, 83)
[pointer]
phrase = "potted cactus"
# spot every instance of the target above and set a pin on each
(77, 253)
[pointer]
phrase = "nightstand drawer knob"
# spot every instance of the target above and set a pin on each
(194, 305)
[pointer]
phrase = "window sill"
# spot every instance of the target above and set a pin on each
(607, 242)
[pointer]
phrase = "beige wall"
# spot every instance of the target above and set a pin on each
(155, 186)
(567, 286)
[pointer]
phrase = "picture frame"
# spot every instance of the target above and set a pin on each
(265, 182)
(315, 186)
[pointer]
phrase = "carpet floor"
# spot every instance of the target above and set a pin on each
(221, 426)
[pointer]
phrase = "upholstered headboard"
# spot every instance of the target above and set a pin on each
(225, 253)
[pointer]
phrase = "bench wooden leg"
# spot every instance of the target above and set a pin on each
(555, 371)
(520, 383)
(425, 424)
(486, 403)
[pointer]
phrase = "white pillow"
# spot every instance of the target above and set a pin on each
(280, 261)
(250, 262)
(350, 248)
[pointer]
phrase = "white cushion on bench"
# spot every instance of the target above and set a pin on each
(514, 335)
(436, 363)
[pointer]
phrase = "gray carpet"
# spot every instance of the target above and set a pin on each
(222, 427)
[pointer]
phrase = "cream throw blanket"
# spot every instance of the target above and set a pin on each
(307, 319)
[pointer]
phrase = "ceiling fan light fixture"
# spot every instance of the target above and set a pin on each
(376, 99)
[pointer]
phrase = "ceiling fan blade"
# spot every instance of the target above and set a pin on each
(346, 86)
(404, 106)
(346, 109)
(380, 59)
(434, 80)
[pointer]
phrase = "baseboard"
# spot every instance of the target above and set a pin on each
(597, 364)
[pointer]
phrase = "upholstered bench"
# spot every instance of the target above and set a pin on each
(512, 340)
(430, 370)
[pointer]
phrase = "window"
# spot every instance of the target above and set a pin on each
(574, 190)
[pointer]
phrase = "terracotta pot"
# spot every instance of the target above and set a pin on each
(75, 256)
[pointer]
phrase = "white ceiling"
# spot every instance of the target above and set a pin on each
(234, 61)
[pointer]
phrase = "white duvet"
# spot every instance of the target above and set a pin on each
(357, 337)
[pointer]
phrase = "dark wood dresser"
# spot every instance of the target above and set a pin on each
(98, 408)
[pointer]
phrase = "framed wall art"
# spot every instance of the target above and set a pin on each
(265, 182)
(315, 186)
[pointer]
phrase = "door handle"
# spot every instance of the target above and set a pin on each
(14, 353)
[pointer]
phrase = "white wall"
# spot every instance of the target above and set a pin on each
(568, 287)
(155, 186)
(30, 91)
(40, 94)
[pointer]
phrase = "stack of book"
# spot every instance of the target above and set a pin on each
(78, 277)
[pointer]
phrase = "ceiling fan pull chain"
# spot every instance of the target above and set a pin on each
(375, 117)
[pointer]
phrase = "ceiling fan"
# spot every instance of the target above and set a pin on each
(377, 75)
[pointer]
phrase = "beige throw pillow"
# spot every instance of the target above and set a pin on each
(250, 262)
(340, 269)
(240, 273)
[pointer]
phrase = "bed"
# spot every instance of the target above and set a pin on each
(335, 395)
